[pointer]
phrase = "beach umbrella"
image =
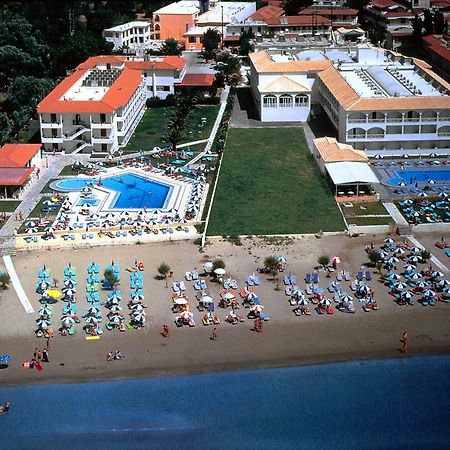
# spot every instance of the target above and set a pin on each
(206, 299)
(44, 323)
(303, 301)
(30, 224)
(180, 301)
(383, 254)
(45, 311)
(47, 203)
(422, 194)
(393, 276)
(31, 230)
(297, 293)
(282, 259)
(388, 240)
(422, 284)
(443, 283)
(406, 295)
(208, 266)
(92, 310)
(219, 271)
(138, 317)
(113, 301)
(325, 302)
(392, 260)
(91, 320)
(442, 194)
(157, 212)
(69, 292)
(44, 285)
(115, 308)
(346, 298)
(414, 258)
(378, 156)
(257, 308)
(70, 282)
(428, 293)
(415, 249)
(67, 321)
(86, 190)
(5, 359)
(437, 274)
(415, 276)
(431, 181)
(336, 260)
(409, 267)
(137, 307)
(186, 315)
(399, 251)
(400, 286)
(402, 183)
(363, 289)
(115, 319)
(229, 296)
(137, 298)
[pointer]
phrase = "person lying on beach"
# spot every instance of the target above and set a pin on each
(110, 356)
(118, 355)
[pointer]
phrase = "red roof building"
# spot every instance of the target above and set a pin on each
(437, 49)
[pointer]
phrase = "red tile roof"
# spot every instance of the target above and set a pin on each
(17, 155)
(14, 176)
(437, 45)
(267, 12)
(168, 63)
(329, 12)
(93, 61)
(197, 79)
(292, 21)
(382, 4)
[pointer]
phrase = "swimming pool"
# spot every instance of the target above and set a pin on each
(132, 191)
(88, 202)
(410, 176)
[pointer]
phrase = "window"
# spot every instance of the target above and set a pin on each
(301, 100)
(54, 133)
(104, 148)
(192, 39)
(156, 17)
(285, 101)
(163, 88)
(103, 132)
(102, 118)
(187, 27)
(269, 101)
(53, 118)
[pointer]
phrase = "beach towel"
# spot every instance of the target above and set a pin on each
(38, 366)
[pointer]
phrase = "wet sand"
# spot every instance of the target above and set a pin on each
(286, 340)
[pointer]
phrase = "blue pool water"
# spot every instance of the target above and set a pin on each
(392, 404)
(87, 201)
(132, 190)
(420, 175)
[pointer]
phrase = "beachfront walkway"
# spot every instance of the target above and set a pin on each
(31, 197)
(17, 285)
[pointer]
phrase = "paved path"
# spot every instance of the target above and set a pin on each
(395, 214)
(17, 285)
(433, 258)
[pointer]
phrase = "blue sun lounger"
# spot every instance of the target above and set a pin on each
(287, 280)
(308, 278)
(360, 275)
(368, 275)
(249, 281)
(315, 277)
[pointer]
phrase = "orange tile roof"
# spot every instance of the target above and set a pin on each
(330, 150)
(17, 155)
(267, 12)
(168, 63)
(401, 103)
(264, 64)
(339, 87)
(116, 96)
(198, 79)
(329, 12)
(93, 61)
(14, 176)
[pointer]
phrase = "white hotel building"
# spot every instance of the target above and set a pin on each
(132, 35)
(378, 101)
(97, 108)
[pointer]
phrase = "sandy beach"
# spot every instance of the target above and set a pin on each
(286, 340)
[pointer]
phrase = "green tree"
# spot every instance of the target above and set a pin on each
(245, 46)
(4, 280)
(218, 263)
(428, 22)
(374, 257)
(163, 269)
(292, 7)
(417, 34)
(323, 260)
(425, 255)
(272, 265)
(175, 131)
(211, 40)
(439, 22)
(5, 128)
(170, 47)
(111, 277)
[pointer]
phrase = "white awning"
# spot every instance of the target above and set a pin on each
(350, 173)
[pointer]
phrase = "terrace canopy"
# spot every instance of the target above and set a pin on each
(349, 173)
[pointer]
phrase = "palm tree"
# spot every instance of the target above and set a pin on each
(272, 265)
(175, 130)
(163, 269)
(425, 255)
(110, 277)
(218, 264)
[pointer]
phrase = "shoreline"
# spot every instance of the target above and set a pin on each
(138, 375)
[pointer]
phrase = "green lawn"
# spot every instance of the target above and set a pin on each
(152, 125)
(363, 221)
(364, 209)
(269, 184)
(9, 205)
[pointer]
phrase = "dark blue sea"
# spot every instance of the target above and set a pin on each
(391, 404)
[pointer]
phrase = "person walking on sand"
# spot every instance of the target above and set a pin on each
(45, 356)
(405, 342)
(214, 334)
(165, 331)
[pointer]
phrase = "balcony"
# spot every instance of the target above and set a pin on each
(98, 125)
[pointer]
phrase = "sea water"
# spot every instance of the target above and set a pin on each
(392, 404)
